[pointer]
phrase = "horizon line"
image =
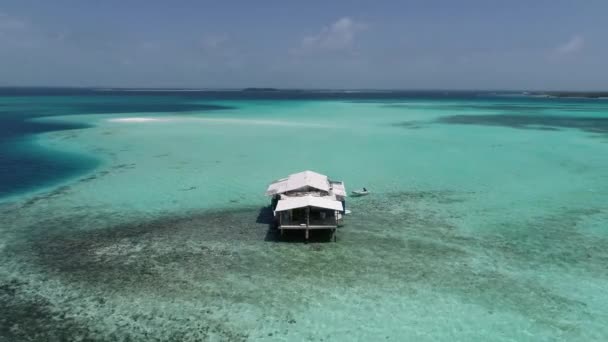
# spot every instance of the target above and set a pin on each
(131, 88)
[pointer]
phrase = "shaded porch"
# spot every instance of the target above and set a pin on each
(309, 219)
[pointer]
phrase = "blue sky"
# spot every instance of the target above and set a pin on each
(482, 44)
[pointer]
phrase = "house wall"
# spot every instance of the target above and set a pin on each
(318, 217)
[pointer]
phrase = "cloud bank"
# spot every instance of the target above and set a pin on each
(11, 23)
(340, 35)
(575, 44)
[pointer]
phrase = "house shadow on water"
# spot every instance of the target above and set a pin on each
(265, 216)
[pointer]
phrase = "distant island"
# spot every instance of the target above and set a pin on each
(580, 94)
(260, 89)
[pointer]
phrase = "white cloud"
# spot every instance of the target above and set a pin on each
(575, 44)
(338, 36)
(11, 23)
(213, 41)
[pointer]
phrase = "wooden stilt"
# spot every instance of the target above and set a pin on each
(307, 221)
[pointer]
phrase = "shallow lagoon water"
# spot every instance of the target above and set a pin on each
(486, 222)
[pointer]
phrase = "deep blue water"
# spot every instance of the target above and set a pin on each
(25, 166)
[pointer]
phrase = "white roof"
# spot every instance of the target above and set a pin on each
(298, 181)
(338, 189)
(308, 201)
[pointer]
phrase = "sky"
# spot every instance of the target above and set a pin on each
(467, 44)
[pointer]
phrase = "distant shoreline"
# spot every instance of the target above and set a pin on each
(572, 94)
(260, 89)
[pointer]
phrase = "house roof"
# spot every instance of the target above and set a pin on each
(338, 188)
(308, 201)
(297, 181)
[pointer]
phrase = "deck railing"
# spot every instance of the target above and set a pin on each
(329, 222)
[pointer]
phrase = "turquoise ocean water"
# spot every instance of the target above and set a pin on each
(140, 215)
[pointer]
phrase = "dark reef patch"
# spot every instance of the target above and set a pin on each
(130, 253)
(410, 124)
(94, 176)
(30, 317)
(398, 243)
(517, 108)
(124, 166)
(500, 107)
(538, 122)
(58, 192)
(556, 241)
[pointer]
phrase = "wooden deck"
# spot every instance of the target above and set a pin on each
(307, 227)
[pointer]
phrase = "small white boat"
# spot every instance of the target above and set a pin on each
(347, 212)
(359, 193)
